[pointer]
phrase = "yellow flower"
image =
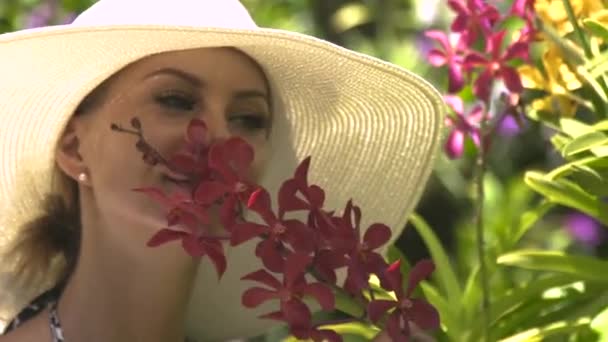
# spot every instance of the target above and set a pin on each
(558, 81)
(552, 12)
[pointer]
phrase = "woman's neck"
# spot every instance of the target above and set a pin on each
(126, 293)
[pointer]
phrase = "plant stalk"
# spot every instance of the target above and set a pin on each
(479, 228)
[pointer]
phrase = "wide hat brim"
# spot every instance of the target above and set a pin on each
(372, 129)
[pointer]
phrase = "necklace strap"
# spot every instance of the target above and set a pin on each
(54, 324)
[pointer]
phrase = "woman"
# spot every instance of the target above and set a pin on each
(74, 234)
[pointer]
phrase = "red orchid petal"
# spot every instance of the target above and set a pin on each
(267, 250)
(255, 296)
(218, 162)
(418, 273)
(512, 79)
(163, 236)
(229, 212)
(457, 6)
(377, 235)
(436, 58)
(288, 199)
(193, 246)
(517, 50)
(377, 308)
(295, 266)
(263, 277)
(183, 163)
(196, 131)
(259, 201)
(208, 192)
(494, 45)
(397, 331)
(196, 211)
(328, 335)
(454, 145)
(215, 252)
(424, 314)
(357, 278)
(241, 154)
(316, 196)
(178, 216)
(301, 173)
(375, 264)
(460, 23)
(474, 59)
(297, 314)
(395, 278)
(299, 236)
(277, 315)
(481, 87)
(243, 232)
(322, 294)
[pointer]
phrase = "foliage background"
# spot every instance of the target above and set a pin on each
(393, 30)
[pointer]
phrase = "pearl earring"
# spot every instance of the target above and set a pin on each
(82, 177)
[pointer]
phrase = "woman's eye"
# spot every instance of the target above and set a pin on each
(176, 101)
(250, 122)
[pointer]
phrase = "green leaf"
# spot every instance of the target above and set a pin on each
(471, 298)
(515, 297)
(528, 220)
(444, 272)
(586, 268)
(573, 166)
(584, 143)
(596, 28)
(573, 127)
(347, 304)
(595, 181)
(542, 333)
(567, 193)
(599, 325)
(358, 329)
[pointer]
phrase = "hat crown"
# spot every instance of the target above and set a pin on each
(230, 14)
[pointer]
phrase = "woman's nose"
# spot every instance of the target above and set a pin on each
(217, 126)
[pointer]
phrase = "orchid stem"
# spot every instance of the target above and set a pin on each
(479, 227)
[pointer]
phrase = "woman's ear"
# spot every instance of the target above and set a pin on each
(67, 155)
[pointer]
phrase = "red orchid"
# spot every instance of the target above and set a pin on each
(195, 245)
(182, 210)
(276, 231)
(312, 196)
(462, 124)
(448, 55)
(496, 65)
(290, 292)
(316, 334)
(405, 308)
(231, 160)
(192, 158)
(347, 248)
(473, 18)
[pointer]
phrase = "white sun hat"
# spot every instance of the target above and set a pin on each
(372, 128)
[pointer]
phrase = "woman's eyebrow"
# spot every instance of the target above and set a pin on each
(199, 83)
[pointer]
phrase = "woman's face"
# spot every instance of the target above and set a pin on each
(221, 86)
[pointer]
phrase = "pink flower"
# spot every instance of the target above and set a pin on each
(447, 55)
(474, 18)
(496, 65)
(462, 125)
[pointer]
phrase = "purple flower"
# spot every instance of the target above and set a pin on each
(584, 229)
(463, 124)
(41, 15)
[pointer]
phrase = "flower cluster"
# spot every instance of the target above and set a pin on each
(300, 259)
(481, 49)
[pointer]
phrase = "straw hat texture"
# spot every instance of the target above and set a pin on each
(372, 128)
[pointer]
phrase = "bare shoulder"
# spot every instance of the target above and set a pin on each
(34, 330)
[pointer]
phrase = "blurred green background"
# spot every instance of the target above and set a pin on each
(394, 30)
